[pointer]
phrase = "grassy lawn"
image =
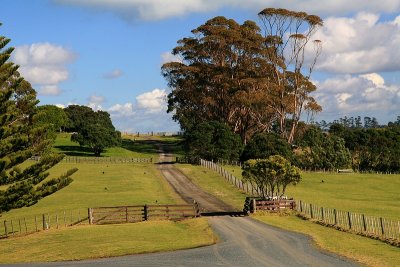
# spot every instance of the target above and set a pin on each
(214, 184)
(131, 147)
(371, 194)
(86, 242)
(364, 250)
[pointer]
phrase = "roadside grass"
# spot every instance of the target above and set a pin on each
(365, 250)
(86, 242)
(362, 249)
(214, 184)
(370, 194)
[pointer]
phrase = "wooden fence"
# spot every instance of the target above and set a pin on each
(246, 187)
(349, 221)
(129, 214)
(252, 205)
(27, 225)
(109, 160)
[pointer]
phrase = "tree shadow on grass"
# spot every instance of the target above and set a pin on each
(140, 146)
(76, 151)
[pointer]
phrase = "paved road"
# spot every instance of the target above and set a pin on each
(243, 241)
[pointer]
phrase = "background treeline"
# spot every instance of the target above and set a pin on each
(364, 147)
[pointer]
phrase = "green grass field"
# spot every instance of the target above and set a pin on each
(371, 194)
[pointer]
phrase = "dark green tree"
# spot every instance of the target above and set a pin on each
(263, 145)
(212, 141)
(20, 138)
(271, 175)
(93, 129)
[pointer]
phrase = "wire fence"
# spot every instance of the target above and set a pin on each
(372, 226)
(109, 160)
(11, 227)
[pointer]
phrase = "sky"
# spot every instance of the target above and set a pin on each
(107, 54)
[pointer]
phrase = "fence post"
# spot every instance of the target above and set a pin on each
(322, 214)
(311, 211)
(36, 227)
(349, 218)
(335, 216)
(90, 215)
(301, 207)
(381, 221)
(364, 224)
(5, 228)
(145, 213)
(126, 213)
(254, 205)
(44, 221)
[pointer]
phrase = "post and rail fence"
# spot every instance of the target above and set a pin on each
(138, 213)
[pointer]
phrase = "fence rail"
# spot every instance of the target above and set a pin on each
(110, 160)
(129, 214)
(350, 221)
(26, 225)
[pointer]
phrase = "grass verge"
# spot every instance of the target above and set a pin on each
(362, 249)
(87, 242)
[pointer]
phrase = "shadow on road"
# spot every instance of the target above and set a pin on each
(224, 213)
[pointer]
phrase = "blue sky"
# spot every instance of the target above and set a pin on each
(107, 54)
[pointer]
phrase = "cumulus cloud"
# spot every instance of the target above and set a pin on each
(358, 95)
(168, 57)
(113, 74)
(95, 102)
(153, 102)
(44, 65)
(122, 110)
(361, 44)
(152, 10)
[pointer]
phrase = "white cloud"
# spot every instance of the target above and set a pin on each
(153, 102)
(113, 74)
(358, 95)
(50, 90)
(168, 57)
(359, 45)
(152, 10)
(44, 65)
(124, 110)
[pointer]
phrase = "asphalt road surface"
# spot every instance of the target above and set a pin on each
(243, 241)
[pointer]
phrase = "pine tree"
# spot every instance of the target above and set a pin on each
(20, 138)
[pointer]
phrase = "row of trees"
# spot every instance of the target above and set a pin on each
(251, 78)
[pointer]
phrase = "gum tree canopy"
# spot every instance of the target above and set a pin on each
(245, 77)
